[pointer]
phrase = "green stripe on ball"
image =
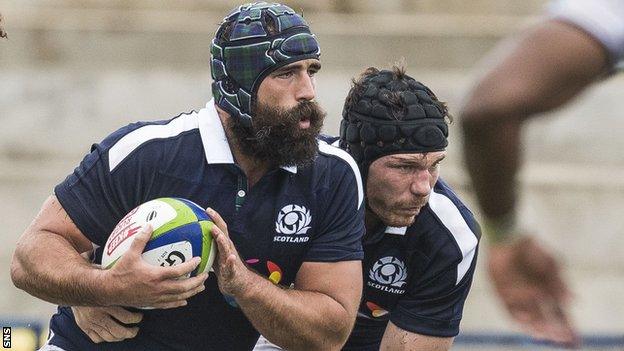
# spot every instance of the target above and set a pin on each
(185, 215)
(207, 247)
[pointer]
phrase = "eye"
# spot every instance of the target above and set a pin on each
(435, 166)
(285, 75)
(403, 168)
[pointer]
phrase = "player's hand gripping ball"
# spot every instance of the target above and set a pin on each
(181, 231)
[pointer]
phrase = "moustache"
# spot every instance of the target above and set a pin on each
(412, 204)
(270, 118)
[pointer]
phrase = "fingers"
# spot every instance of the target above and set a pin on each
(140, 240)
(100, 324)
(111, 331)
(125, 316)
(177, 298)
(178, 287)
(557, 288)
(531, 320)
(217, 220)
(180, 270)
(544, 320)
(169, 305)
(176, 292)
(526, 310)
(224, 244)
(168, 290)
(541, 267)
(95, 337)
(527, 278)
(226, 254)
(558, 326)
(220, 238)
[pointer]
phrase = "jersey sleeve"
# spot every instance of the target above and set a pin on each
(602, 19)
(342, 223)
(437, 291)
(96, 197)
(435, 304)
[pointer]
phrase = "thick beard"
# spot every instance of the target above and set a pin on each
(276, 137)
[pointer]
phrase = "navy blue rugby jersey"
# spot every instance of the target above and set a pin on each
(419, 276)
(292, 215)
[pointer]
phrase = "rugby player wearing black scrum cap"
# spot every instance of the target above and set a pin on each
(420, 245)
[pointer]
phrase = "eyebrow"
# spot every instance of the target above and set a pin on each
(315, 65)
(413, 161)
(297, 66)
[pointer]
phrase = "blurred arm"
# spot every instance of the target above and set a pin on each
(545, 68)
(2, 32)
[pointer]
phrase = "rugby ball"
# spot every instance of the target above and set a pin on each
(181, 231)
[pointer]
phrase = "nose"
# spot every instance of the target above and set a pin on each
(306, 89)
(421, 183)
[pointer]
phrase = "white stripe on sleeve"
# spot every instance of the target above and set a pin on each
(452, 219)
(137, 137)
(331, 150)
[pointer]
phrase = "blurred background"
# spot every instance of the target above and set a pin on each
(73, 71)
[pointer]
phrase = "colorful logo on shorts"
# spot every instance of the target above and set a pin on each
(376, 311)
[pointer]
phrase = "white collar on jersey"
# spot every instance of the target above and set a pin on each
(396, 230)
(216, 146)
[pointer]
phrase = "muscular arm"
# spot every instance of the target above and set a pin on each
(317, 315)
(546, 68)
(47, 261)
(397, 339)
(47, 264)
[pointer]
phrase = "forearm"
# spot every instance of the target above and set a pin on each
(296, 319)
(397, 339)
(544, 69)
(418, 342)
(492, 152)
(49, 267)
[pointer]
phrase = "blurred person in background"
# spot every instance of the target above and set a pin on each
(420, 246)
(293, 205)
(578, 44)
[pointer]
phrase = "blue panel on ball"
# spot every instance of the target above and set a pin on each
(191, 232)
(199, 212)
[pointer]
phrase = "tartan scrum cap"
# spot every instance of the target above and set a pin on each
(252, 41)
(388, 112)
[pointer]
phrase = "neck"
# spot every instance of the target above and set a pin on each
(253, 168)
